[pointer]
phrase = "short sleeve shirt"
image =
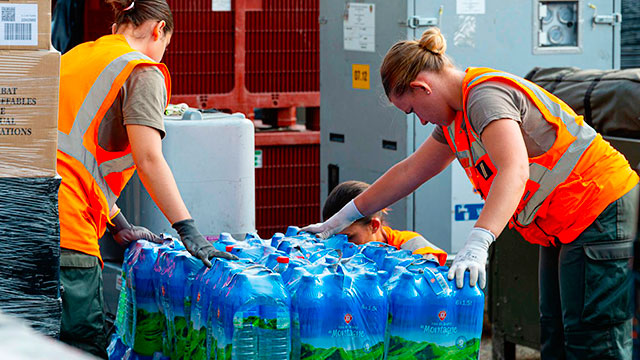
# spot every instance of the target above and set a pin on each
(141, 101)
(492, 101)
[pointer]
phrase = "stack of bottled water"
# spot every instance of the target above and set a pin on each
(293, 297)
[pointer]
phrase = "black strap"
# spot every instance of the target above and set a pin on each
(556, 81)
(587, 99)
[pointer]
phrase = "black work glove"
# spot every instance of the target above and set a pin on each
(197, 245)
(125, 233)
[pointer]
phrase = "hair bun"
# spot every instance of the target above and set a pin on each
(433, 41)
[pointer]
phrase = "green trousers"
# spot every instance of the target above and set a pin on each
(586, 288)
(83, 319)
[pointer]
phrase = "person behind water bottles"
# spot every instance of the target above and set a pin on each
(371, 228)
(540, 169)
(113, 92)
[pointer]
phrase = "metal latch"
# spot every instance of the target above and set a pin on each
(417, 21)
(613, 19)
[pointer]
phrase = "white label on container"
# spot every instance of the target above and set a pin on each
(257, 160)
(19, 24)
(360, 27)
(221, 5)
(469, 7)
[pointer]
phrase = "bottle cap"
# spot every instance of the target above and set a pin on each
(282, 259)
(229, 248)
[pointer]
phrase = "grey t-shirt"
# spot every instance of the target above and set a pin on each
(494, 100)
(141, 101)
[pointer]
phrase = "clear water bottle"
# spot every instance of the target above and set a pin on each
(245, 334)
(282, 262)
(275, 325)
(274, 341)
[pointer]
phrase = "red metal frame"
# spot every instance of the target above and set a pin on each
(288, 184)
(240, 98)
(280, 63)
(268, 46)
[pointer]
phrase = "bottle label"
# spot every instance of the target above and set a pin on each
(437, 282)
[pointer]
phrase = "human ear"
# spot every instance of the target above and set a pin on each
(158, 29)
(375, 224)
(420, 85)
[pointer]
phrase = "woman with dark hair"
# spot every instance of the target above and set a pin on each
(541, 169)
(113, 93)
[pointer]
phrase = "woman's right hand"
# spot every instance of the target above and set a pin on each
(338, 222)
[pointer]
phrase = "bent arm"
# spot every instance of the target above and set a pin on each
(505, 145)
(403, 178)
(154, 172)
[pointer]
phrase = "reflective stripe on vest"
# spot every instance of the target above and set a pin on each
(72, 144)
(414, 244)
(549, 179)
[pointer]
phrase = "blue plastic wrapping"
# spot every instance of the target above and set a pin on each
(294, 297)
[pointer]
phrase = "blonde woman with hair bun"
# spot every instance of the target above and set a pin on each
(540, 169)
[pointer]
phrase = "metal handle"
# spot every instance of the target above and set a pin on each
(415, 22)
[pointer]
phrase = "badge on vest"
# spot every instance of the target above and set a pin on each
(484, 170)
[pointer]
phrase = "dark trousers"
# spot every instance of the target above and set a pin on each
(586, 288)
(83, 320)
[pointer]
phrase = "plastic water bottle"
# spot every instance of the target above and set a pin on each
(245, 334)
(292, 231)
(275, 336)
(469, 305)
(282, 262)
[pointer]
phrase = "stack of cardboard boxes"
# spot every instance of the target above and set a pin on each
(29, 224)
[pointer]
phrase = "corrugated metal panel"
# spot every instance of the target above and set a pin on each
(288, 184)
(201, 54)
(630, 34)
(282, 49)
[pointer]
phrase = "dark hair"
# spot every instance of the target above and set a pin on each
(142, 11)
(407, 58)
(341, 195)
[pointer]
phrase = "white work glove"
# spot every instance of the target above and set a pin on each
(472, 256)
(338, 222)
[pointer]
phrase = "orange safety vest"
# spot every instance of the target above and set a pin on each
(399, 238)
(91, 76)
(568, 186)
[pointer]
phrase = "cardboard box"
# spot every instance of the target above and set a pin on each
(29, 85)
(25, 24)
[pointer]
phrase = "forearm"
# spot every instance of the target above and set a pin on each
(157, 178)
(501, 202)
(114, 210)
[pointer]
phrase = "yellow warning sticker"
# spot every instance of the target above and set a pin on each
(360, 76)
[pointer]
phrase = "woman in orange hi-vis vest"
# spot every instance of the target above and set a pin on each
(113, 93)
(372, 228)
(540, 169)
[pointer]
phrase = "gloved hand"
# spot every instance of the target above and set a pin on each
(338, 222)
(196, 244)
(125, 233)
(472, 256)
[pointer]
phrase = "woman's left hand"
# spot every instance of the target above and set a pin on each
(472, 257)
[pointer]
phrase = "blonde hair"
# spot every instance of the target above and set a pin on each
(407, 58)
